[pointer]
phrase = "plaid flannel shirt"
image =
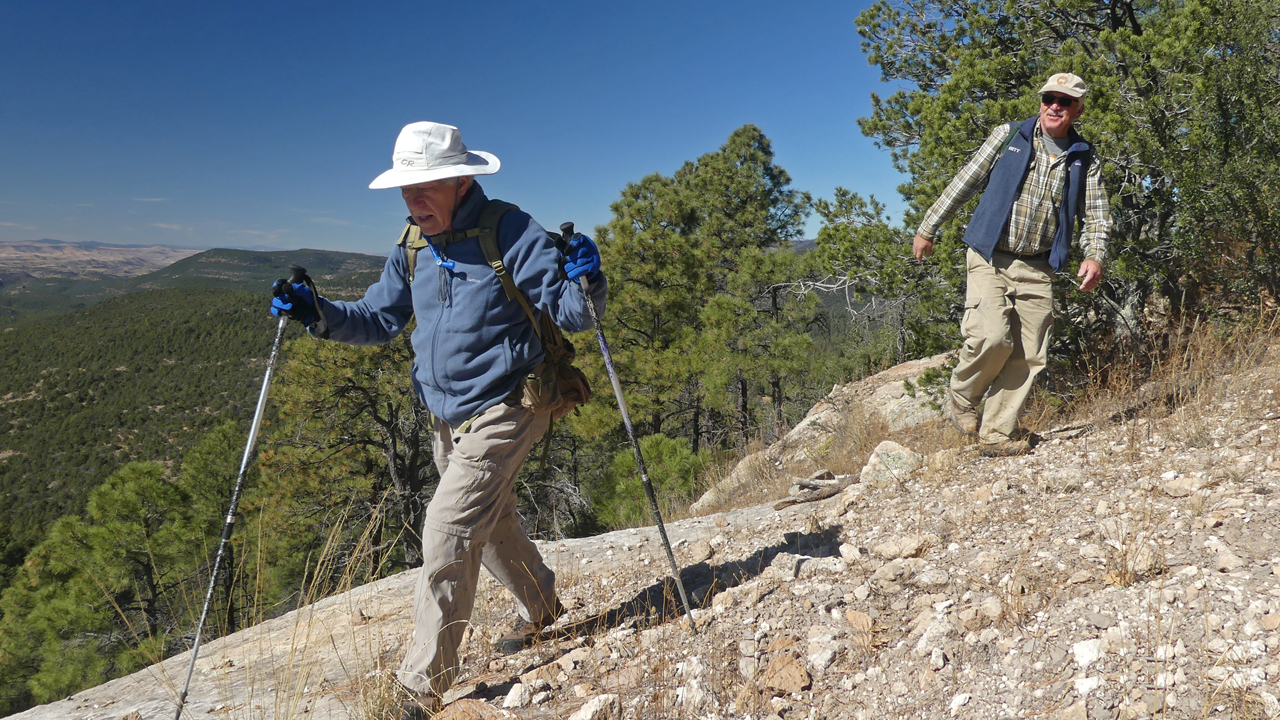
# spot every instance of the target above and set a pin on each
(1034, 219)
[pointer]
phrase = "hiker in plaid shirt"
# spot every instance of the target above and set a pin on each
(1041, 179)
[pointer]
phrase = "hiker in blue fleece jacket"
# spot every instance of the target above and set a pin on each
(474, 348)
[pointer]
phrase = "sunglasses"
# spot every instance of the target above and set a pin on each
(1061, 100)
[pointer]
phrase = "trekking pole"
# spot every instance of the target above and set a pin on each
(567, 231)
(297, 275)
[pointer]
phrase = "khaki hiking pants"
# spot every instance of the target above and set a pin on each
(1007, 324)
(472, 521)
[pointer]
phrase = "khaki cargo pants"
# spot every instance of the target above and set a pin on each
(1007, 325)
(472, 521)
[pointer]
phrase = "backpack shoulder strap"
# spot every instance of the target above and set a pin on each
(490, 216)
(412, 241)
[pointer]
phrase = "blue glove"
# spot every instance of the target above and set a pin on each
(294, 300)
(583, 258)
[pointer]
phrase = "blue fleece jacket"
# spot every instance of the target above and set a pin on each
(472, 345)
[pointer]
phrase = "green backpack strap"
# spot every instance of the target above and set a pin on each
(412, 241)
(490, 216)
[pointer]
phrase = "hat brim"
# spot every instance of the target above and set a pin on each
(477, 163)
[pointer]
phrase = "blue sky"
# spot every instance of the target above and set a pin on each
(233, 124)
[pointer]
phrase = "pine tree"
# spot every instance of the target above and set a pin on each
(696, 309)
(1180, 109)
(346, 468)
(896, 308)
(103, 595)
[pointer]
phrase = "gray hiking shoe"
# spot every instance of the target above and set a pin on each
(525, 634)
(966, 421)
(419, 706)
(1004, 448)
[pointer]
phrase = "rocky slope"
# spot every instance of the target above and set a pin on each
(1124, 569)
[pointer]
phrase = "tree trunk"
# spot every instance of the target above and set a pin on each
(779, 422)
(411, 505)
(379, 520)
(418, 462)
(902, 333)
(744, 410)
(150, 604)
(697, 423)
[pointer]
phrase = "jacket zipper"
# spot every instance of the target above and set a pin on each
(435, 335)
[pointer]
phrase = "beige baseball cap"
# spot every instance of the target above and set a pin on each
(1066, 84)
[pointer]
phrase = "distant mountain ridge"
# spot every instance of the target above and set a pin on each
(335, 273)
(97, 244)
(39, 279)
(59, 259)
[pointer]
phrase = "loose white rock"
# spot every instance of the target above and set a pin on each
(520, 696)
(890, 464)
(1086, 651)
(1084, 686)
(850, 552)
(601, 707)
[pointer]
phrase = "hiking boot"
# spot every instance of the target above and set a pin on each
(1004, 448)
(964, 420)
(525, 634)
(419, 706)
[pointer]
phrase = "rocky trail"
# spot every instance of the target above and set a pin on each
(1126, 568)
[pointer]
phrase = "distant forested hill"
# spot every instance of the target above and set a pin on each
(335, 273)
(136, 377)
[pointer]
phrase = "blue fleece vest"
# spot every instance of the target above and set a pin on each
(1004, 182)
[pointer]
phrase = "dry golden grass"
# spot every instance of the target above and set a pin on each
(763, 482)
(283, 676)
(1199, 365)
(861, 433)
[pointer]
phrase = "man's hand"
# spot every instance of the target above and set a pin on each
(921, 247)
(294, 300)
(582, 258)
(1091, 271)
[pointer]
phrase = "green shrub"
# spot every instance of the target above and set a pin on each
(673, 468)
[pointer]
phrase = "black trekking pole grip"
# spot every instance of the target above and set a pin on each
(567, 229)
(298, 274)
(566, 235)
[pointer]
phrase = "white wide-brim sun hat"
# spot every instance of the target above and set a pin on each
(427, 151)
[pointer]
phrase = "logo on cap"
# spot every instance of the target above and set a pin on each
(1062, 79)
